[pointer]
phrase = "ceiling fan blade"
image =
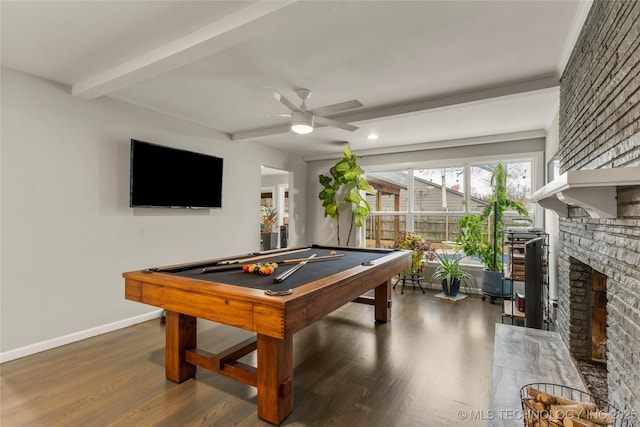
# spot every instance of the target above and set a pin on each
(334, 108)
(258, 133)
(288, 115)
(329, 122)
(280, 97)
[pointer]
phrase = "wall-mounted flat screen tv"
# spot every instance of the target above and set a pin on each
(167, 177)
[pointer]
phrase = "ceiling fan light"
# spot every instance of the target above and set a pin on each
(302, 123)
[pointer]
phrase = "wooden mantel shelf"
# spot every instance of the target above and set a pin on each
(592, 189)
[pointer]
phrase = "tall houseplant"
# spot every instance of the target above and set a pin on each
(482, 234)
(343, 189)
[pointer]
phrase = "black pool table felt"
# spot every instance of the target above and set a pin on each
(312, 271)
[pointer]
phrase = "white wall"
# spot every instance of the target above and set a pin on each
(322, 230)
(67, 230)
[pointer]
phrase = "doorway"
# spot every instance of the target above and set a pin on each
(274, 208)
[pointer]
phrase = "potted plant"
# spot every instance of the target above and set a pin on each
(268, 219)
(343, 189)
(450, 273)
(482, 235)
(422, 250)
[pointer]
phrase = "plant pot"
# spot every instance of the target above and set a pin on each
(494, 285)
(453, 290)
(269, 241)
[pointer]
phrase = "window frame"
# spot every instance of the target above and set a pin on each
(411, 214)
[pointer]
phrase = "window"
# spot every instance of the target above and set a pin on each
(518, 182)
(438, 198)
(438, 190)
(436, 229)
(391, 191)
(381, 230)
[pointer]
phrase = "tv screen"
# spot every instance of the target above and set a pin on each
(172, 178)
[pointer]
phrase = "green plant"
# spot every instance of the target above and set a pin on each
(343, 188)
(482, 234)
(422, 250)
(449, 269)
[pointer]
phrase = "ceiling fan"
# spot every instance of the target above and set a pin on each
(303, 120)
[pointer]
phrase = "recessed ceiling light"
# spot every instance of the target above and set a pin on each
(372, 136)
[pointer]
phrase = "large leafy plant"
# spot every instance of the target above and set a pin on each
(482, 234)
(344, 188)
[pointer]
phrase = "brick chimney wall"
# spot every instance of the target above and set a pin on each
(600, 128)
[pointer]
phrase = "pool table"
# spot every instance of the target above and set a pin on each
(219, 290)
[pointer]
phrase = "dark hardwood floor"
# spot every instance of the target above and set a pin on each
(431, 361)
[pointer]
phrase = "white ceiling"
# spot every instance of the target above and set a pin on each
(426, 71)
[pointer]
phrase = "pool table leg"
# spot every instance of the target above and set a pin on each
(275, 378)
(383, 302)
(181, 335)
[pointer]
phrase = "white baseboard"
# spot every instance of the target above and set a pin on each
(76, 336)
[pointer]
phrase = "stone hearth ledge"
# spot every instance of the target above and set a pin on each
(522, 356)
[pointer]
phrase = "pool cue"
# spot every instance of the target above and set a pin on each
(226, 267)
(193, 265)
(262, 256)
(320, 258)
(283, 276)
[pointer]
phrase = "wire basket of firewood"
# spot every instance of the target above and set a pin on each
(553, 405)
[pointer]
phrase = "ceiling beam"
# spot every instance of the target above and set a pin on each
(206, 41)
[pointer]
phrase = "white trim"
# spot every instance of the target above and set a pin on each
(592, 189)
(574, 32)
(433, 145)
(76, 336)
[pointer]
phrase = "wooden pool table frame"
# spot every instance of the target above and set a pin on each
(274, 319)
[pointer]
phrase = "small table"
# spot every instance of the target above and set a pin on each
(414, 278)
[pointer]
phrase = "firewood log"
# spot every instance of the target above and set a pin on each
(552, 399)
(577, 422)
(550, 422)
(576, 410)
(598, 417)
(529, 403)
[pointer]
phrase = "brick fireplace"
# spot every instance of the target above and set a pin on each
(599, 259)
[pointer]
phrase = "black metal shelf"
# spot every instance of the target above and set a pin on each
(515, 272)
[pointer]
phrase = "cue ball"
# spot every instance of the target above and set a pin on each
(332, 253)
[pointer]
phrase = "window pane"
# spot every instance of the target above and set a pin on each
(518, 181)
(382, 230)
(440, 229)
(391, 191)
(436, 229)
(438, 190)
(481, 183)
